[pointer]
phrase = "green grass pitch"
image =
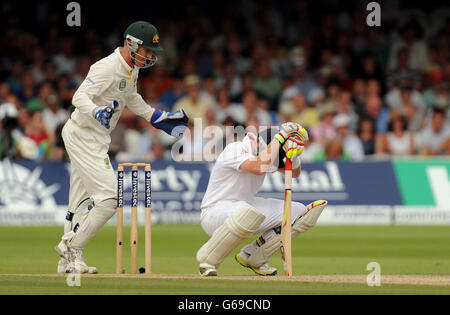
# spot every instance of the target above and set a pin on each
(324, 250)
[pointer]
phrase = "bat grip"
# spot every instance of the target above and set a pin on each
(288, 165)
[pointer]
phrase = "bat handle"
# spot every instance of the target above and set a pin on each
(288, 165)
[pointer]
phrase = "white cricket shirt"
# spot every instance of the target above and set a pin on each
(227, 181)
(109, 79)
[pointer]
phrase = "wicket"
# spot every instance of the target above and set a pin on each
(134, 219)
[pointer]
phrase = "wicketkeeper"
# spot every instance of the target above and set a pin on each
(109, 86)
(231, 212)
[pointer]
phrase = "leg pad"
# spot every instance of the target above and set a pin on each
(237, 227)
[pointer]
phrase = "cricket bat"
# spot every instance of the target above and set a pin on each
(286, 253)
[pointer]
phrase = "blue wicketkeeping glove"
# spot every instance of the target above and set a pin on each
(173, 124)
(104, 113)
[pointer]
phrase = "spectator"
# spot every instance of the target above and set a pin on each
(8, 129)
(371, 70)
(345, 106)
(15, 79)
(59, 152)
(208, 90)
(258, 64)
(117, 144)
(158, 152)
(65, 61)
(333, 91)
(38, 66)
(264, 105)
(287, 85)
(53, 115)
(247, 85)
(401, 71)
(373, 87)
(367, 135)
(398, 141)
(231, 80)
(351, 144)
(316, 97)
(435, 139)
(325, 130)
(313, 149)
(251, 106)
(241, 63)
(213, 136)
(418, 51)
(40, 135)
(359, 95)
(159, 80)
(29, 89)
(150, 95)
(295, 109)
(218, 64)
(190, 145)
(339, 72)
(374, 109)
(230, 135)
(304, 82)
(266, 84)
(438, 94)
(171, 96)
(409, 103)
(225, 109)
(5, 91)
(253, 124)
(81, 70)
(66, 89)
(334, 150)
(39, 102)
(193, 103)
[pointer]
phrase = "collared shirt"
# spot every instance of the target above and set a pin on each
(227, 180)
(109, 79)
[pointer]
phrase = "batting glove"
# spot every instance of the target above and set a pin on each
(294, 147)
(173, 124)
(104, 113)
(291, 129)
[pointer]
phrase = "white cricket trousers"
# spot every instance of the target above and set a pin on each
(213, 217)
(92, 175)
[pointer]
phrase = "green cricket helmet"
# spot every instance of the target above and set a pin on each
(142, 34)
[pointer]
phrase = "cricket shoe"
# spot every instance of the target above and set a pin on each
(64, 251)
(64, 266)
(72, 260)
(207, 270)
(78, 265)
(264, 270)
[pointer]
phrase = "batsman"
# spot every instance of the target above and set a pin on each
(110, 85)
(231, 212)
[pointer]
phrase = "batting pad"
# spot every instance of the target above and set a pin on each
(265, 252)
(96, 218)
(237, 227)
(309, 219)
(79, 215)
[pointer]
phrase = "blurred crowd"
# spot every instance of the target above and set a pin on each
(361, 92)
